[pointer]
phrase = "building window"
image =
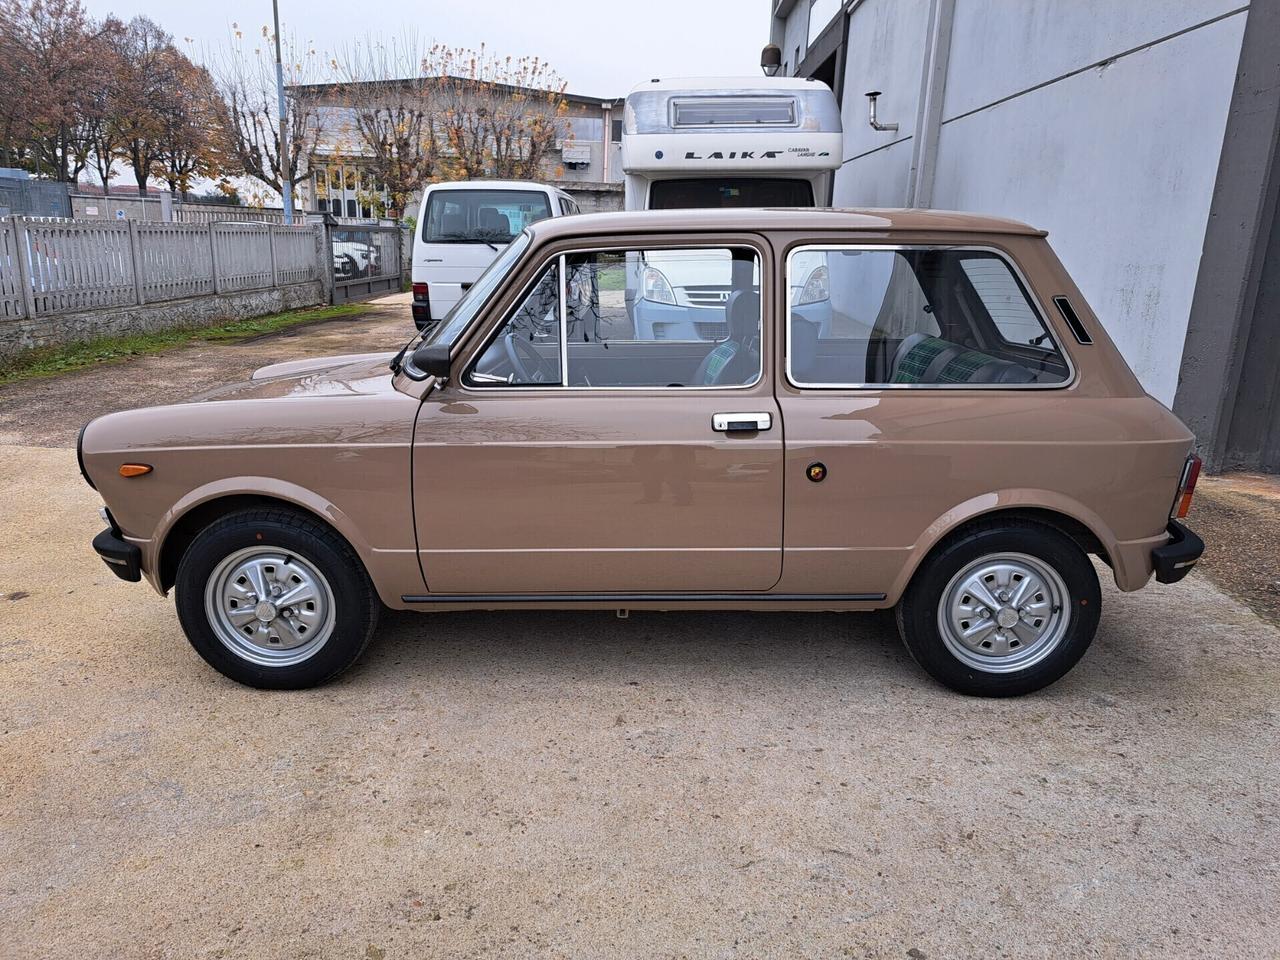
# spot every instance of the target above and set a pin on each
(346, 190)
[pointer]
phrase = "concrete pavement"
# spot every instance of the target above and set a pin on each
(572, 785)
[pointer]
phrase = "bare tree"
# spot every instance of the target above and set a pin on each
(147, 84)
(100, 123)
(245, 78)
(411, 115)
(191, 141)
(384, 108)
(51, 65)
(500, 117)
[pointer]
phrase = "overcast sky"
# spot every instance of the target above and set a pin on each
(601, 47)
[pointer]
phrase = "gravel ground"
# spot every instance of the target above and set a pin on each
(50, 411)
(570, 784)
(1238, 516)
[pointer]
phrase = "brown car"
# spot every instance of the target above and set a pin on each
(748, 409)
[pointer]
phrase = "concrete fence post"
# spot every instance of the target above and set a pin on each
(271, 242)
(136, 261)
(213, 256)
(324, 252)
(25, 273)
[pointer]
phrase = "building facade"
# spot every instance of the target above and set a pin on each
(586, 163)
(1142, 135)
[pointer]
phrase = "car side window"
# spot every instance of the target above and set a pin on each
(526, 348)
(663, 318)
(671, 318)
(914, 316)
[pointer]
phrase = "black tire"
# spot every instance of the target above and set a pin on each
(355, 605)
(918, 611)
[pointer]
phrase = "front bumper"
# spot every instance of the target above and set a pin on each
(1174, 560)
(124, 558)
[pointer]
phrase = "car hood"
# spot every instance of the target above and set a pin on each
(357, 374)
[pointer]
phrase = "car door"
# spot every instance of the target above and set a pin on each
(568, 457)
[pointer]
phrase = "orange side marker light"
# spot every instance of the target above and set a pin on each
(130, 470)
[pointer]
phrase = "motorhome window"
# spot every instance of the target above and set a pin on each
(713, 192)
(482, 216)
(914, 317)
(733, 112)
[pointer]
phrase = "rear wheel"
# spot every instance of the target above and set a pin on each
(273, 599)
(1001, 610)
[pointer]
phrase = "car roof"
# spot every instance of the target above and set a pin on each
(799, 218)
(744, 85)
(493, 185)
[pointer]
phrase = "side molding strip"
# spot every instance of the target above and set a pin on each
(481, 598)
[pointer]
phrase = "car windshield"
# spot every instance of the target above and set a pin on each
(482, 216)
(447, 330)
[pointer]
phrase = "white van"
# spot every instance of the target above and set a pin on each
(462, 226)
(719, 142)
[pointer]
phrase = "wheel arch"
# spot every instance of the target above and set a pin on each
(183, 523)
(1066, 516)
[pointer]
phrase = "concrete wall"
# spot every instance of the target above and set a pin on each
(1101, 122)
(595, 197)
(25, 333)
(886, 52)
(794, 33)
(92, 206)
(1229, 392)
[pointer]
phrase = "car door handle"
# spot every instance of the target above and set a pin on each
(735, 422)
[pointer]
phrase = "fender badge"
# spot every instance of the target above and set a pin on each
(817, 472)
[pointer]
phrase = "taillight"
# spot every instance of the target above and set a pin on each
(1186, 488)
(420, 291)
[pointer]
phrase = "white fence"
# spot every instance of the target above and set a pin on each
(49, 267)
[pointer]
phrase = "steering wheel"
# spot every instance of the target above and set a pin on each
(519, 350)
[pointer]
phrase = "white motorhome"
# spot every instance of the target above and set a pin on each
(719, 142)
(461, 228)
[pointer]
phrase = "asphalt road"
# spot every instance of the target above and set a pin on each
(574, 785)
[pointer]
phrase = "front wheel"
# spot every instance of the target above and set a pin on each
(274, 599)
(1002, 610)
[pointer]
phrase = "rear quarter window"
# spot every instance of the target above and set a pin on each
(914, 316)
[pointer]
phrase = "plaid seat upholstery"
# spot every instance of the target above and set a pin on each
(716, 361)
(912, 367)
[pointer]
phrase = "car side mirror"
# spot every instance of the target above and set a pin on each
(432, 360)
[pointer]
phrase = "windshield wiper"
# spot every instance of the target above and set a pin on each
(489, 239)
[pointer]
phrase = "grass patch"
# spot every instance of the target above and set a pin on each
(612, 279)
(51, 361)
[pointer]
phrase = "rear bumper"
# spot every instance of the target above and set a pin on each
(1174, 560)
(124, 558)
